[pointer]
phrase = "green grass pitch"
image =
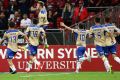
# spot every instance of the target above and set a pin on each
(61, 76)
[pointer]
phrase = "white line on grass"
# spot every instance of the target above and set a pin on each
(56, 74)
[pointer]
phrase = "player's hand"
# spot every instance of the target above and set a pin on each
(62, 24)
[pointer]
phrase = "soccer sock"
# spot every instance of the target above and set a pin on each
(13, 68)
(36, 61)
(30, 64)
(117, 59)
(45, 41)
(106, 63)
(78, 65)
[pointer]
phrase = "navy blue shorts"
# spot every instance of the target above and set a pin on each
(100, 50)
(80, 52)
(33, 50)
(110, 49)
(10, 54)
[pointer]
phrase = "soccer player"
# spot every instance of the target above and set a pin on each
(42, 16)
(34, 32)
(81, 34)
(111, 44)
(12, 36)
(98, 31)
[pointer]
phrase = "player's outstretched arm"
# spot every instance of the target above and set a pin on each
(63, 25)
(117, 31)
(43, 36)
(1, 41)
(4, 37)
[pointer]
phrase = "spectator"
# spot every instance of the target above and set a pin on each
(23, 6)
(12, 7)
(31, 16)
(16, 17)
(1, 6)
(50, 19)
(5, 4)
(3, 21)
(67, 13)
(80, 12)
(33, 8)
(25, 22)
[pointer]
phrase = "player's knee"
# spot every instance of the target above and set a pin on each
(103, 58)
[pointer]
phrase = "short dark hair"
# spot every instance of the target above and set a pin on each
(11, 24)
(107, 19)
(35, 21)
(97, 20)
(81, 26)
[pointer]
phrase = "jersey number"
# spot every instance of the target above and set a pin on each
(34, 33)
(13, 39)
(99, 34)
(82, 37)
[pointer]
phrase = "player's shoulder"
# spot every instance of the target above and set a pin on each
(107, 25)
(10, 31)
(96, 26)
(33, 26)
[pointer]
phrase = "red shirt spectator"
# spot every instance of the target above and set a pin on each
(6, 4)
(59, 19)
(80, 13)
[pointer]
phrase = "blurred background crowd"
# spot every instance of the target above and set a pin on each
(69, 11)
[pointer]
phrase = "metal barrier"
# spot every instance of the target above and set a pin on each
(54, 37)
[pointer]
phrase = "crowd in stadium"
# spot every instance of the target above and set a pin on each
(58, 10)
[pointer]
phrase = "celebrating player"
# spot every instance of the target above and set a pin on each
(42, 16)
(81, 45)
(34, 33)
(111, 44)
(12, 36)
(98, 31)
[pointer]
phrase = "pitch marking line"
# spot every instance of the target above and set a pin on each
(45, 75)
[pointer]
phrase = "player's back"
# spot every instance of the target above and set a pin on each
(12, 37)
(99, 34)
(43, 17)
(81, 37)
(34, 34)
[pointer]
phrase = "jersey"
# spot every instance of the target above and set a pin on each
(81, 37)
(34, 32)
(12, 37)
(42, 17)
(99, 34)
(110, 40)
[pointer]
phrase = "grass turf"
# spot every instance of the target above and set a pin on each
(61, 76)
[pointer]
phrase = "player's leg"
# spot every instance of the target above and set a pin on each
(100, 51)
(114, 51)
(33, 52)
(80, 57)
(10, 55)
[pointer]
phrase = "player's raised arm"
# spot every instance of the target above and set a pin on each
(4, 37)
(43, 36)
(117, 31)
(62, 24)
